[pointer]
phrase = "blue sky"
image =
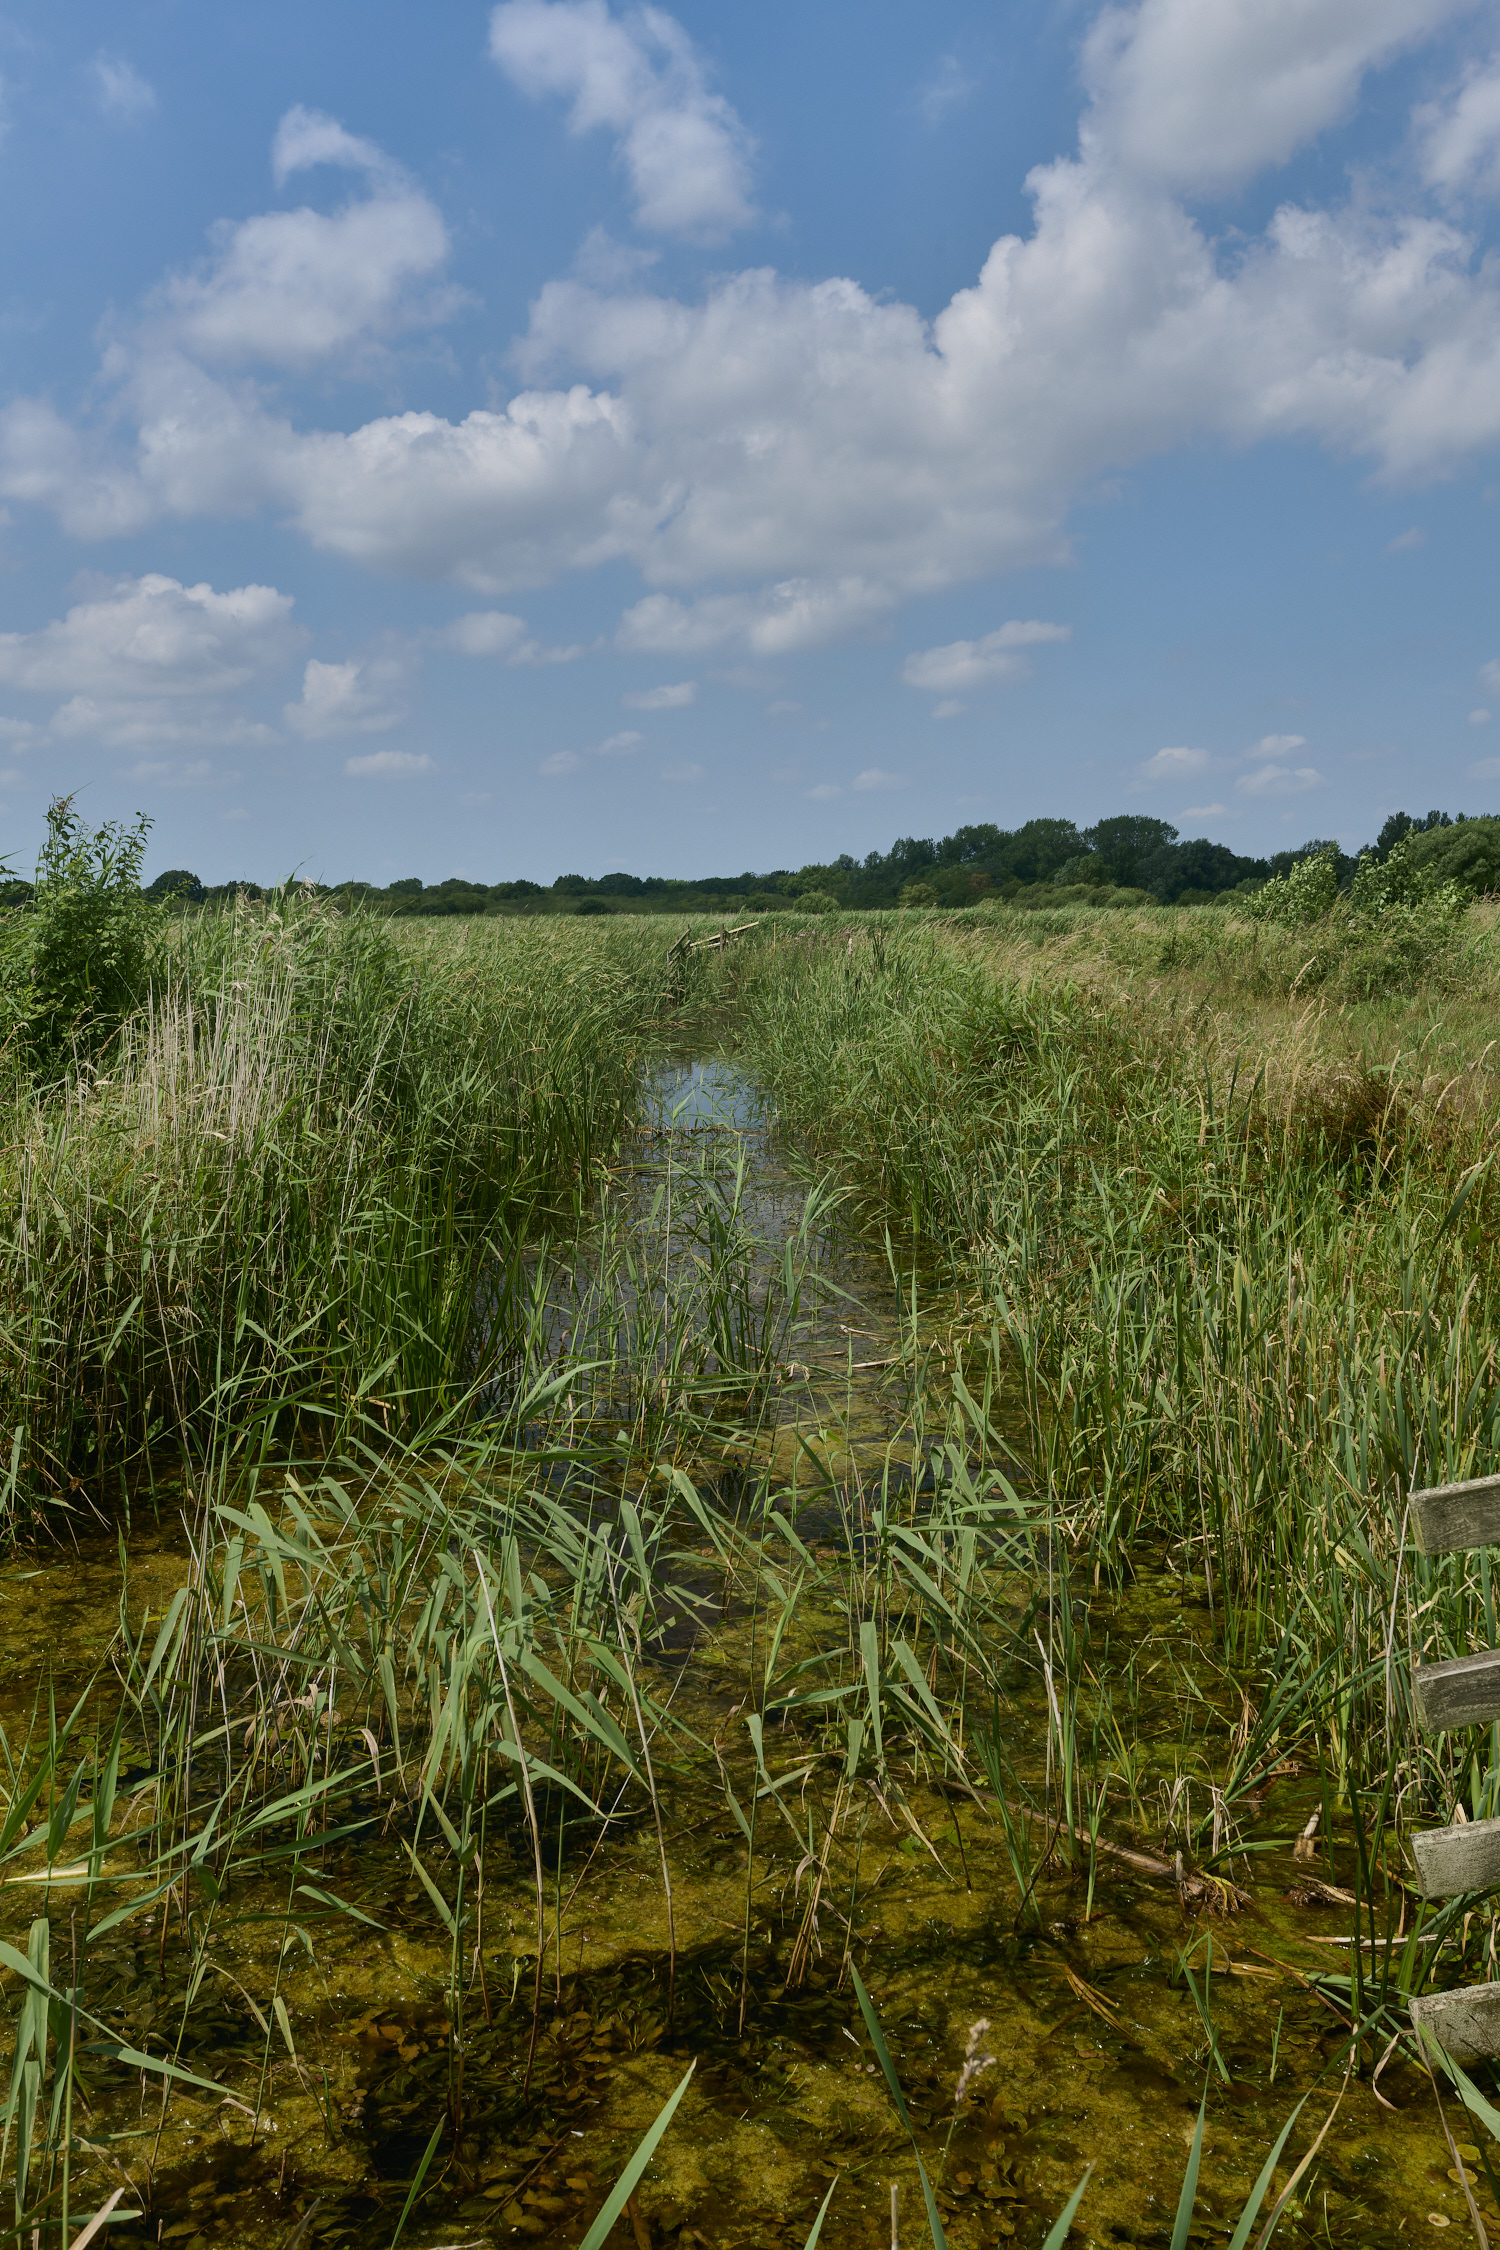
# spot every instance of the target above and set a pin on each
(561, 436)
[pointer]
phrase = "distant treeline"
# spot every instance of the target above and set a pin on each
(1128, 859)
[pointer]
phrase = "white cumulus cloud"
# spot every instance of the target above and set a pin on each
(775, 621)
(639, 76)
(494, 632)
(785, 460)
(1461, 136)
(876, 777)
(393, 765)
(620, 745)
(972, 664)
(290, 288)
(148, 658)
(1174, 764)
(360, 696)
(120, 90)
(1489, 676)
(1276, 780)
(1205, 93)
(676, 697)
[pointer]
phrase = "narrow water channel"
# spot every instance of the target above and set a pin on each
(374, 2056)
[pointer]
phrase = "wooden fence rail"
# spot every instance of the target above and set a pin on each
(1465, 1692)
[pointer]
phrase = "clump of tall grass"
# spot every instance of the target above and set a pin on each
(282, 1183)
(1244, 1324)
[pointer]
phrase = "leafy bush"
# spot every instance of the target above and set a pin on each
(1379, 886)
(74, 960)
(1303, 895)
(818, 902)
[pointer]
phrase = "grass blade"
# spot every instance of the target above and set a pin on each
(877, 2039)
(1058, 2232)
(1189, 2195)
(817, 2226)
(625, 2185)
(421, 2173)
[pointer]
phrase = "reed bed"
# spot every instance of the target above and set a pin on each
(275, 1190)
(634, 1697)
(1247, 1308)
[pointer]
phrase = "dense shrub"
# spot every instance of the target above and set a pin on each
(75, 958)
(1305, 894)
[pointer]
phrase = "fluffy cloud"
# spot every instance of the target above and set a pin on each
(121, 91)
(388, 765)
(1277, 746)
(179, 773)
(1276, 780)
(972, 664)
(494, 632)
(148, 659)
(784, 461)
(1205, 93)
(875, 777)
(290, 288)
(947, 89)
(1176, 764)
(775, 621)
(674, 698)
(1489, 676)
(1461, 136)
(360, 696)
(152, 637)
(1480, 718)
(561, 761)
(619, 745)
(684, 149)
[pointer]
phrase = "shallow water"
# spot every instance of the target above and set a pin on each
(1090, 1991)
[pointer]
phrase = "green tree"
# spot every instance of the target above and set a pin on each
(1124, 840)
(178, 883)
(1466, 852)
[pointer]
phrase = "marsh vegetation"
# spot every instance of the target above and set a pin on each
(875, 1570)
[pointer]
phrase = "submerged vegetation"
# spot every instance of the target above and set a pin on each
(599, 1647)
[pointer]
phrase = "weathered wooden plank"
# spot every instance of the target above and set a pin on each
(1467, 2021)
(1448, 1516)
(1465, 1858)
(1462, 1693)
